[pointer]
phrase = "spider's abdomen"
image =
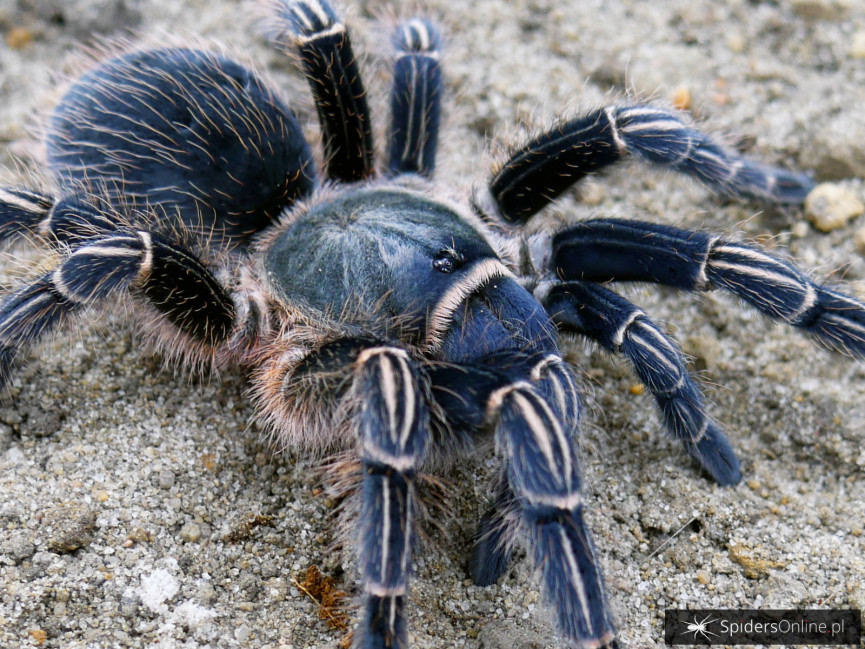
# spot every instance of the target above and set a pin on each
(187, 131)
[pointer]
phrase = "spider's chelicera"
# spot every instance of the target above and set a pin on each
(374, 316)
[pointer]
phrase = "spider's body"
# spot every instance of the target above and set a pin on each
(373, 315)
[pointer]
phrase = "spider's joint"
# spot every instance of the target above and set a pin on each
(332, 30)
(147, 262)
(311, 17)
(539, 252)
(610, 113)
(24, 200)
(367, 354)
(494, 402)
(702, 279)
(559, 502)
(417, 37)
(542, 289)
(549, 359)
(619, 337)
(401, 463)
(378, 590)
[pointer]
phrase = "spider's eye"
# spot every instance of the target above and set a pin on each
(447, 261)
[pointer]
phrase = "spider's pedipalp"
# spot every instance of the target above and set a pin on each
(621, 328)
(325, 51)
(21, 212)
(173, 281)
(602, 250)
(541, 170)
(415, 98)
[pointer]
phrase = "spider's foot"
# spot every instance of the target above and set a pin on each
(715, 454)
(562, 548)
(661, 137)
(779, 185)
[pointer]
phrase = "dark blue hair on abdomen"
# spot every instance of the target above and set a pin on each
(185, 131)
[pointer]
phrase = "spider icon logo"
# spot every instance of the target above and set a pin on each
(700, 627)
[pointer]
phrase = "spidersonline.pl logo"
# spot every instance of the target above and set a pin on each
(765, 627)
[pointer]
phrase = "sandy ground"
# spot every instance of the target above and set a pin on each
(158, 477)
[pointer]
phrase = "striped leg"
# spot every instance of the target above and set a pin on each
(72, 219)
(21, 212)
(623, 329)
(172, 281)
(541, 490)
(393, 437)
(612, 249)
(496, 535)
(416, 98)
(550, 163)
(325, 51)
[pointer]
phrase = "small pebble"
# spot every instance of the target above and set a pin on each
(166, 479)
(736, 42)
(242, 634)
(190, 532)
(18, 38)
(592, 193)
(800, 230)
(18, 547)
(69, 527)
(857, 45)
(829, 206)
(820, 9)
(682, 98)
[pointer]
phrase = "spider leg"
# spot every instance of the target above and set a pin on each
(543, 490)
(325, 51)
(601, 250)
(174, 282)
(70, 220)
(494, 540)
(623, 329)
(539, 171)
(377, 389)
(496, 533)
(416, 98)
(393, 437)
(21, 212)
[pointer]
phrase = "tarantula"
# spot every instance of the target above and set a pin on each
(374, 315)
